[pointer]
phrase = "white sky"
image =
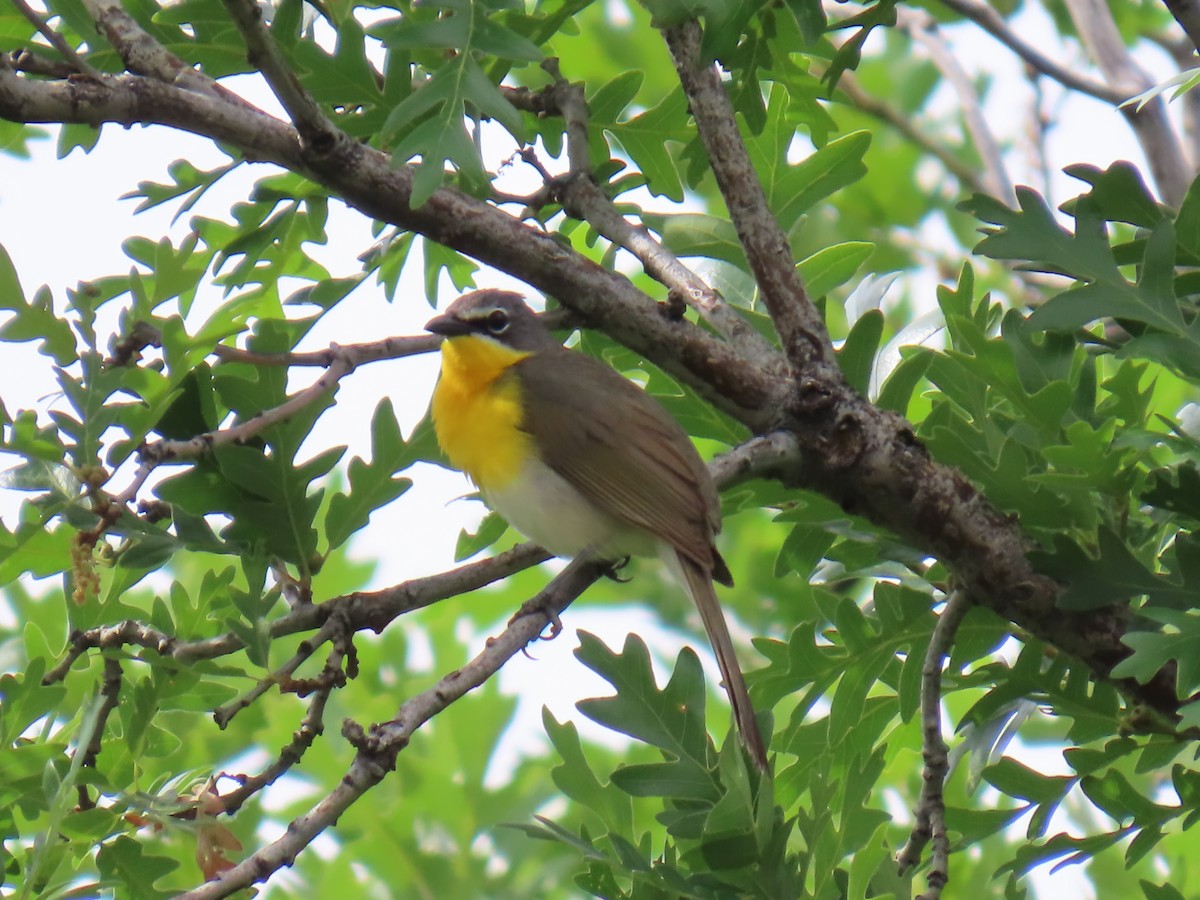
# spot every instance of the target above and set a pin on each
(61, 222)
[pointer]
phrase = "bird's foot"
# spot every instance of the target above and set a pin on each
(538, 607)
(613, 573)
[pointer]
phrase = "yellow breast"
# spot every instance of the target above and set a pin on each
(477, 412)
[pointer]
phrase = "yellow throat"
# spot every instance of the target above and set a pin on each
(477, 410)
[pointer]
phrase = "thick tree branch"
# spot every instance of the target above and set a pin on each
(379, 747)
(775, 455)
(800, 326)
(362, 610)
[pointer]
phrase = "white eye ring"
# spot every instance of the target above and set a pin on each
(498, 321)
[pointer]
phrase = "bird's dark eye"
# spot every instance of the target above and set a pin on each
(497, 321)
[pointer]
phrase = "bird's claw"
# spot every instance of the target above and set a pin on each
(536, 607)
(613, 572)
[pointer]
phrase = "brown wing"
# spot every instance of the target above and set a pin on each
(622, 450)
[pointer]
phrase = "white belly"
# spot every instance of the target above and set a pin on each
(548, 510)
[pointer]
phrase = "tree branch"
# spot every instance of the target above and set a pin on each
(967, 176)
(379, 747)
(143, 55)
(361, 610)
(583, 199)
(110, 691)
(78, 63)
(922, 28)
(993, 23)
(315, 128)
(367, 181)
(931, 810)
(801, 329)
(774, 455)
(863, 458)
(1151, 125)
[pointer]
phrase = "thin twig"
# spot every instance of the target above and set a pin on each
(110, 691)
(143, 55)
(379, 747)
(78, 63)
(1039, 133)
(931, 809)
(1150, 123)
(171, 450)
(316, 129)
(801, 329)
(223, 715)
(312, 726)
(362, 610)
(341, 664)
(967, 176)
(583, 199)
(29, 60)
(993, 23)
(923, 29)
(155, 454)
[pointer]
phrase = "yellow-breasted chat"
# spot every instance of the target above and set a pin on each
(578, 458)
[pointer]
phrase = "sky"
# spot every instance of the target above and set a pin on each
(63, 221)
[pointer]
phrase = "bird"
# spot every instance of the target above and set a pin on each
(576, 457)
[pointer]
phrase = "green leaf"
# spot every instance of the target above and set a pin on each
(697, 234)
(1031, 233)
(491, 529)
(647, 139)
(1115, 576)
(856, 357)
(125, 861)
(576, 779)
(1018, 780)
(35, 320)
(1187, 223)
(462, 25)
(1177, 491)
(1118, 193)
(1160, 891)
(457, 89)
(672, 719)
(1152, 650)
(371, 485)
(833, 266)
(810, 18)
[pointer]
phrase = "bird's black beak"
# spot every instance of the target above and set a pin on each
(448, 326)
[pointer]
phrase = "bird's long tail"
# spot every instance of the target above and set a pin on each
(699, 584)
